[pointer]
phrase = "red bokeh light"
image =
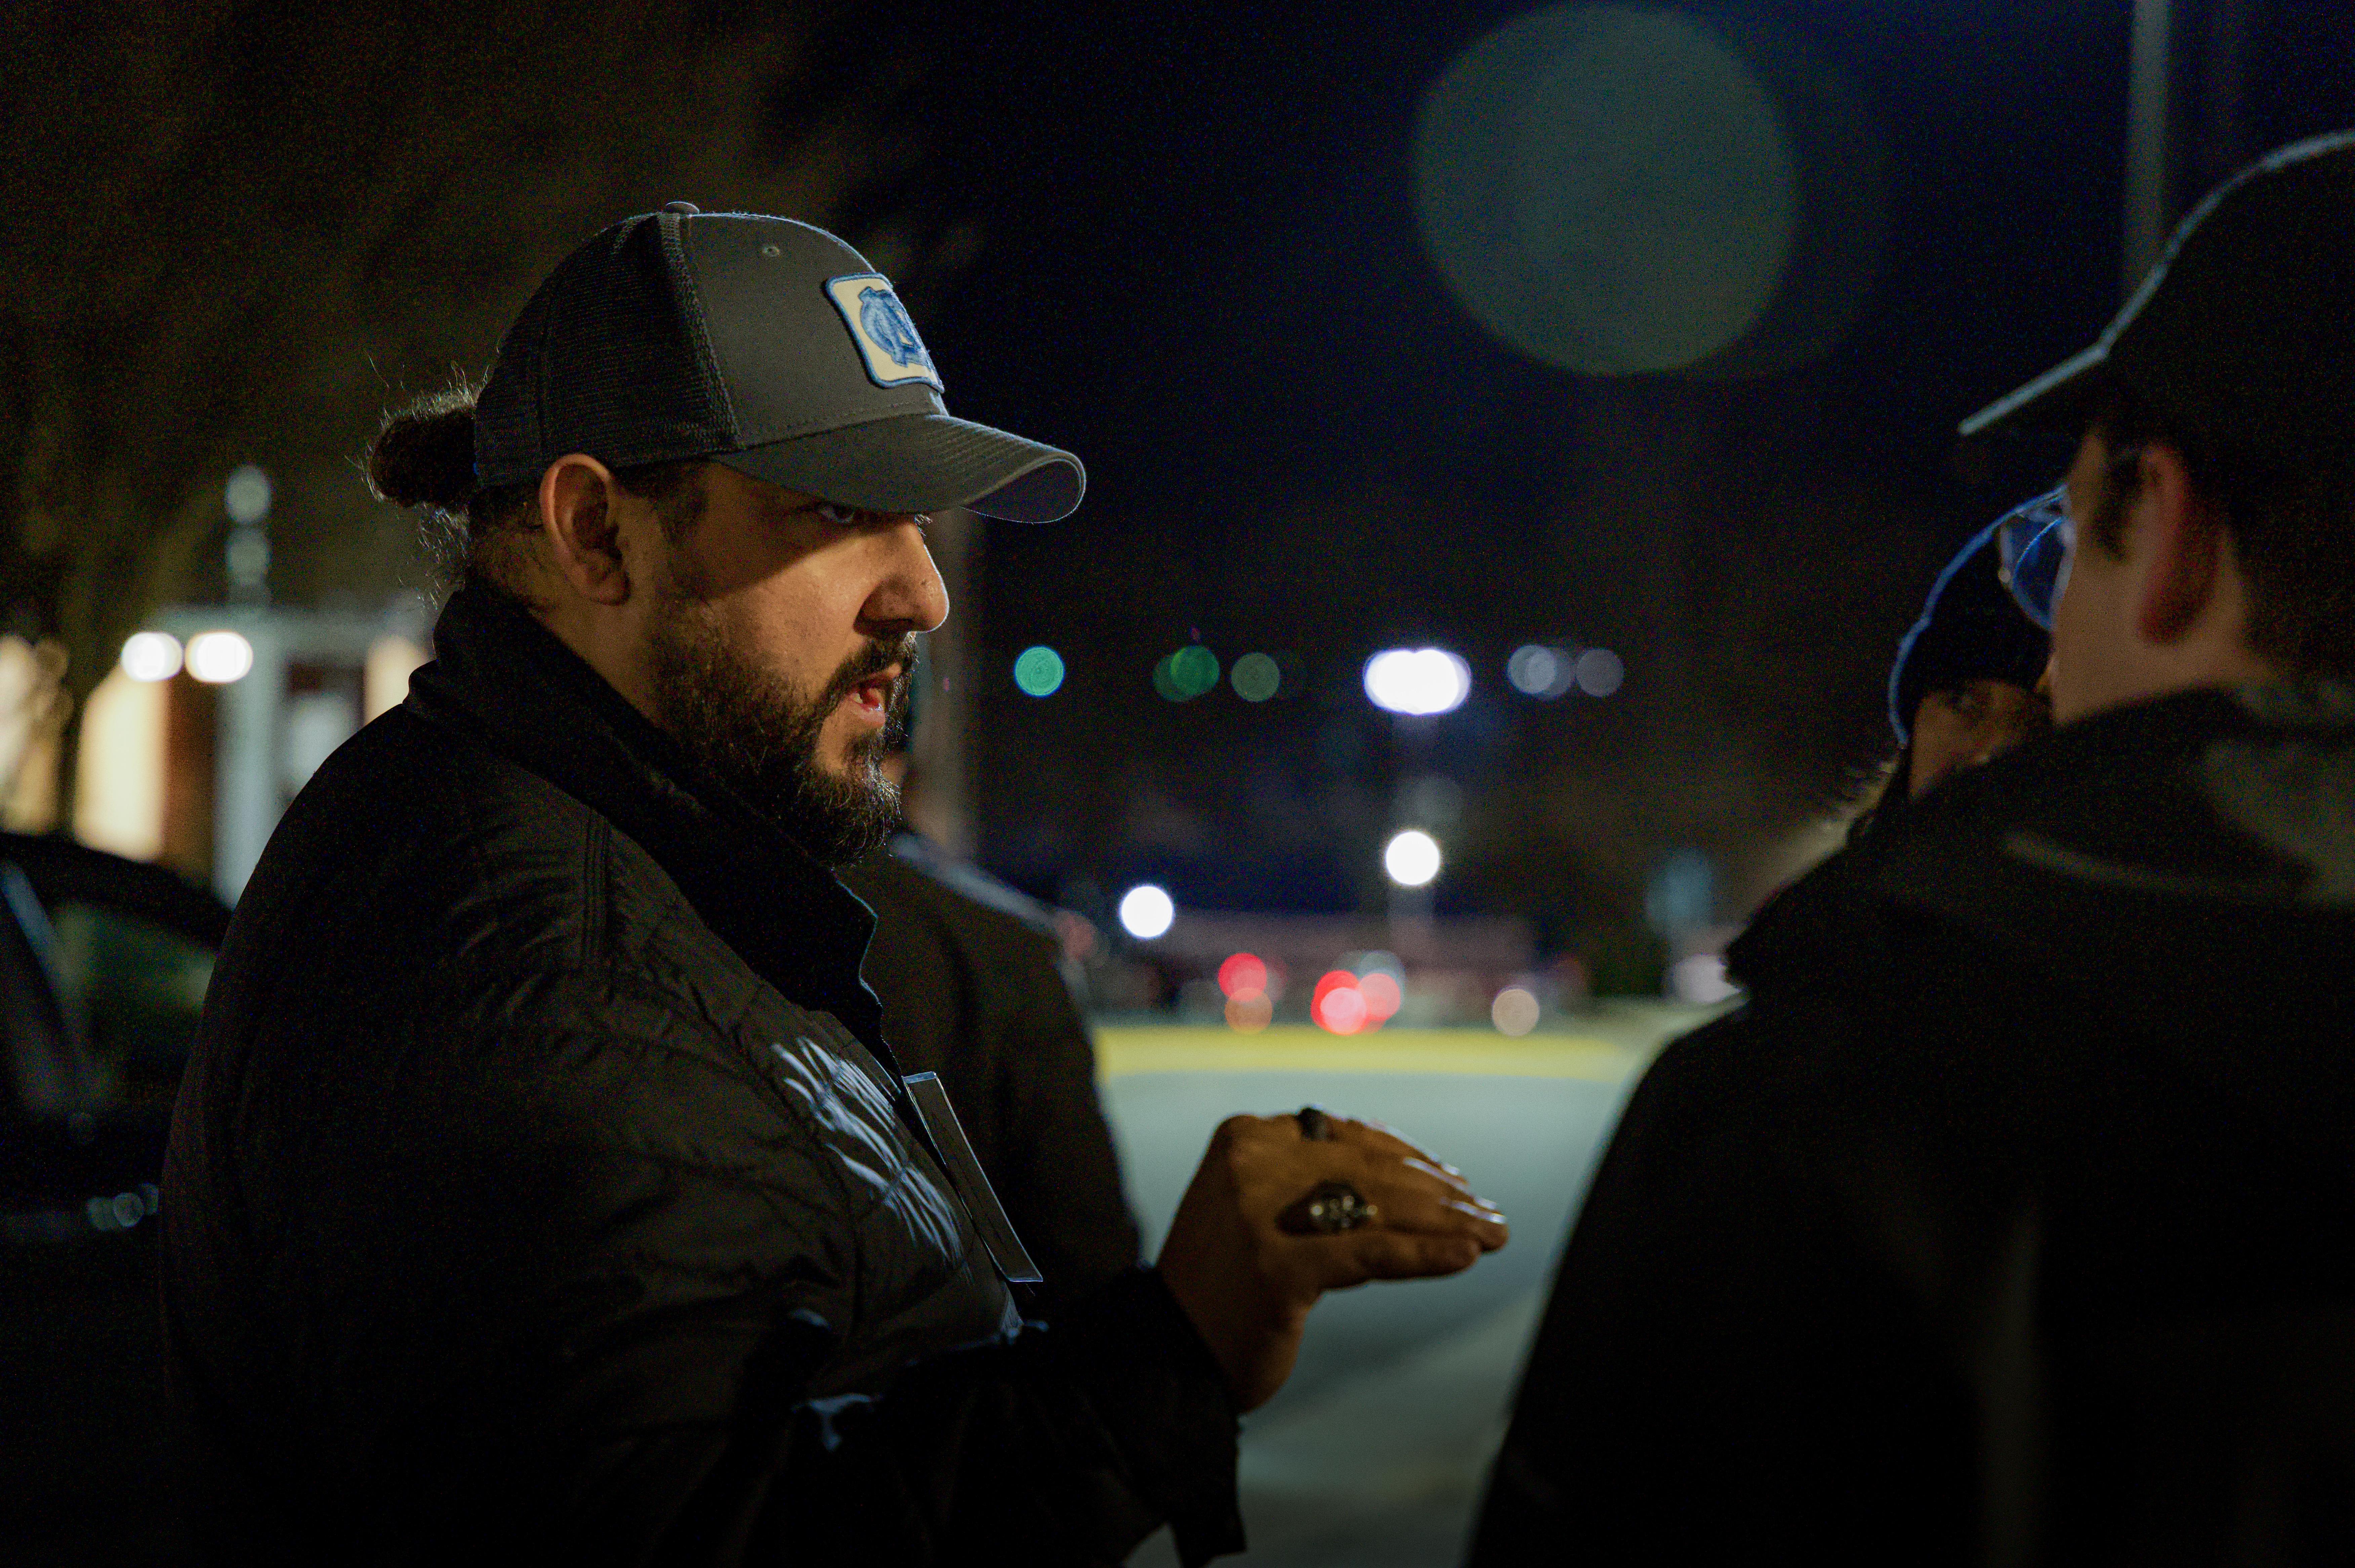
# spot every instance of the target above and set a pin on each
(1242, 972)
(1382, 995)
(1338, 1005)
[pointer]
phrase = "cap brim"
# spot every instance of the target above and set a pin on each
(923, 462)
(2053, 402)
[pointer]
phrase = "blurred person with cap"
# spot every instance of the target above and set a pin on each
(2010, 1219)
(1964, 688)
(542, 1187)
(972, 978)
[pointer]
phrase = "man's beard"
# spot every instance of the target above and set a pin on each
(744, 724)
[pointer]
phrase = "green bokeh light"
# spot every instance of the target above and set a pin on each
(1038, 671)
(1187, 674)
(1195, 669)
(1256, 678)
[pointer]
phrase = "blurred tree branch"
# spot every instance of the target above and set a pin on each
(226, 216)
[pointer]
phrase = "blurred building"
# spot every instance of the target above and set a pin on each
(210, 721)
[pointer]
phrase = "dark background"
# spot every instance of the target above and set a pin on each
(1181, 241)
(1199, 270)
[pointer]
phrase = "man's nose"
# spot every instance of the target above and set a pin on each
(909, 595)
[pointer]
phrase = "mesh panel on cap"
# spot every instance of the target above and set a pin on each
(606, 360)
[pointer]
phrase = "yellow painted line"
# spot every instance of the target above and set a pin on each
(1124, 1051)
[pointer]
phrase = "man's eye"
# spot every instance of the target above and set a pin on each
(840, 517)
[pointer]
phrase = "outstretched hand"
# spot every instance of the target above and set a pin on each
(1248, 1284)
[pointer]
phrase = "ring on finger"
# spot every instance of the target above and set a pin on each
(1328, 1209)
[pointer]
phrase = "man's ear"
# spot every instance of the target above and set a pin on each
(2180, 546)
(576, 514)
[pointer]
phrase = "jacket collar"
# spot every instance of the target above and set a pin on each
(506, 680)
(2140, 856)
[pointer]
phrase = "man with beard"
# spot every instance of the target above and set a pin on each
(542, 1187)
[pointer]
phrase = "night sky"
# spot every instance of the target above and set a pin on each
(1199, 269)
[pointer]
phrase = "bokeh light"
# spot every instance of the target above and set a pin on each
(1607, 189)
(151, 655)
(1700, 980)
(1256, 678)
(1411, 858)
(1038, 671)
(1146, 911)
(1515, 1011)
(1186, 674)
(217, 659)
(1242, 972)
(247, 496)
(1541, 672)
(1382, 994)
(1419, 681)
(1600, 672)
(1338, 1005)
(1248, 1012)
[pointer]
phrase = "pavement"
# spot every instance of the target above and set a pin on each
(1374, 1454)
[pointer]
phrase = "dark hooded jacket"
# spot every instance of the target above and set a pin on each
(2012, 1219)
(542, 1188)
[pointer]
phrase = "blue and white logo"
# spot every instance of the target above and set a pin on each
(880, 325)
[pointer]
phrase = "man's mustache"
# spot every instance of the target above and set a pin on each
(879, 655)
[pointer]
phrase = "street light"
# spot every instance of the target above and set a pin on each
(217, 659)
(1147, 912)
(1417, 681)
(151, 655)
(1411, 858)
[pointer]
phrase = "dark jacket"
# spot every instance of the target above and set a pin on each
(969, 973)
(542, 1186)
(2012, 1220)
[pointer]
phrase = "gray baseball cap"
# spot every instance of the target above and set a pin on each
(761, 342)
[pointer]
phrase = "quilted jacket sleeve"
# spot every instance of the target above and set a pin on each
(668, 1266)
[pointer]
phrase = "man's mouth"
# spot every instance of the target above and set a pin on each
(871, 697)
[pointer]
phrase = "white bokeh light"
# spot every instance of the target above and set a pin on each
(247, 496)
(1411, 858)
(1702, 980)
(217, 658)
(1542, 672)
(1147, 912)
(1515, 1010)
(1600, 671)
(151, 655)
(1419, 681)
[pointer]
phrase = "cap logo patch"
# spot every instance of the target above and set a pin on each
(878, 324)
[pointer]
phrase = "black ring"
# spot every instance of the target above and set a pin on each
(1330, 1208)
(1315, 1124)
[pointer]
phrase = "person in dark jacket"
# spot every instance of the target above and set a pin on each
(542, 1187)
(1964, 688)
(2011, 1220)
(969, 973)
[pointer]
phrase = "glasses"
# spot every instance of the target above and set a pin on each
(2034, 541)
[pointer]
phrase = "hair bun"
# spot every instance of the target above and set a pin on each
(424, 455)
